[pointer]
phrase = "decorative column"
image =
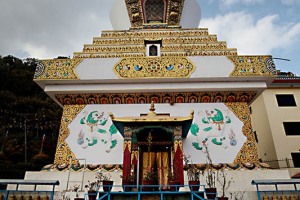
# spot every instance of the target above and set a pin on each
(178, 154)
(127, 153)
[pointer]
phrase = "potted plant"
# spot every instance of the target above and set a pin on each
(92, 189)
(149, 180)
(107, 182)
(210, 188)
(193, 173)
(222, 179)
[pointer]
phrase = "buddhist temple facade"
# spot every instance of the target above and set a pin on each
(161, 90)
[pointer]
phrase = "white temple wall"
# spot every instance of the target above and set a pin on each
(92, 135)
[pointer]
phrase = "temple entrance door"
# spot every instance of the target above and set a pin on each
(155, 150)
(156, 163)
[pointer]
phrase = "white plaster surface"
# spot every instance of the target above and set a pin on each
(211, 66)
(148, 86)
(119, 16)
(191, 14)
(90, 69)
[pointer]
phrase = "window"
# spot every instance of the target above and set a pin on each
(153, 50)
(296, 159)
(292, 128)
(285, 100)
(153, 47)
(255, 136)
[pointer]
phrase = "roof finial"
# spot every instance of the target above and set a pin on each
(152, 109)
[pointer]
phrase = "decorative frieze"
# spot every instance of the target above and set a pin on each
(146, 98)
(253, 66)
(248, 153)
(157, 67)
(56, 69)
(155, 34)
(165, 40)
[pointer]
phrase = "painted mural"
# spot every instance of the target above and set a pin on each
(87, 132)
(216, 128)
(94, 137)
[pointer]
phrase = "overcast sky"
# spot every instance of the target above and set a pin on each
(50, 28)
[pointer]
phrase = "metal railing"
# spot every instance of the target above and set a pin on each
(16, 183)
(143, 190)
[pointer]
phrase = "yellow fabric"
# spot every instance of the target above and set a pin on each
(148, 162)
(161, 159)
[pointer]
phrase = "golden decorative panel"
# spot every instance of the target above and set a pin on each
(253, 66)
(63, 152)
(56, 69)
(174, 12)
(248, 153)
(146, 11)
(135, 12)
(156, 67)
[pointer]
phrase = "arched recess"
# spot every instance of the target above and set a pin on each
(155, 11)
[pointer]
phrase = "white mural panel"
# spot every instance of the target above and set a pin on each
(94, 137)
(216, 127)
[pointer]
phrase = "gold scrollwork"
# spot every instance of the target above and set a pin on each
(158, 67)
(63, 152)
(57, 69)
(252, 66)
(248, 153)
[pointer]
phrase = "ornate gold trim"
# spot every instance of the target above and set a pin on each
(141, 98)
(169, 33)
(157, 67)
(252, 66)
(57, 69)
(175, 8)
(63, 152)
(248, 153)
(135, 12)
